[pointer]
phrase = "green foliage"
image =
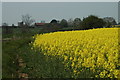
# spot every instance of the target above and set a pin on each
(64, 23)
(12, 48)
(40, 66)
(77, 22)
(7, 30)
(54, 21)
(9, 56)
(92, 22)
(16, 32)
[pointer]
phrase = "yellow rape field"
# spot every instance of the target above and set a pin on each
(83, 52)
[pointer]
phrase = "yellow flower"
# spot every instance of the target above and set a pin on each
(65, 57)
(93, 49)
(72, 64)
(74, 71)
(71, 58)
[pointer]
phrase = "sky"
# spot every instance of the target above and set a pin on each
(0, 13)
(13, 11)
(59, 0)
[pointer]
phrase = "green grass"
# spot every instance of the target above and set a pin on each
(37, 65)
(12, 48)
(40, 66)
(16, 32)
(9, 59)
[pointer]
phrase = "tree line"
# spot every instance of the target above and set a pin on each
(89, 22)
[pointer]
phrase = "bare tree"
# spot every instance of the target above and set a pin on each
(70, 22)
(27, 20)
(109, 21)
(77, 22)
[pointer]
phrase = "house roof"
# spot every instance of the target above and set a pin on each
(40, 24)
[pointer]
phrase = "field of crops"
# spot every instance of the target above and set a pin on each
(83, 54)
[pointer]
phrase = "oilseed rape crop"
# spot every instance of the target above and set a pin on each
(84, 53)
